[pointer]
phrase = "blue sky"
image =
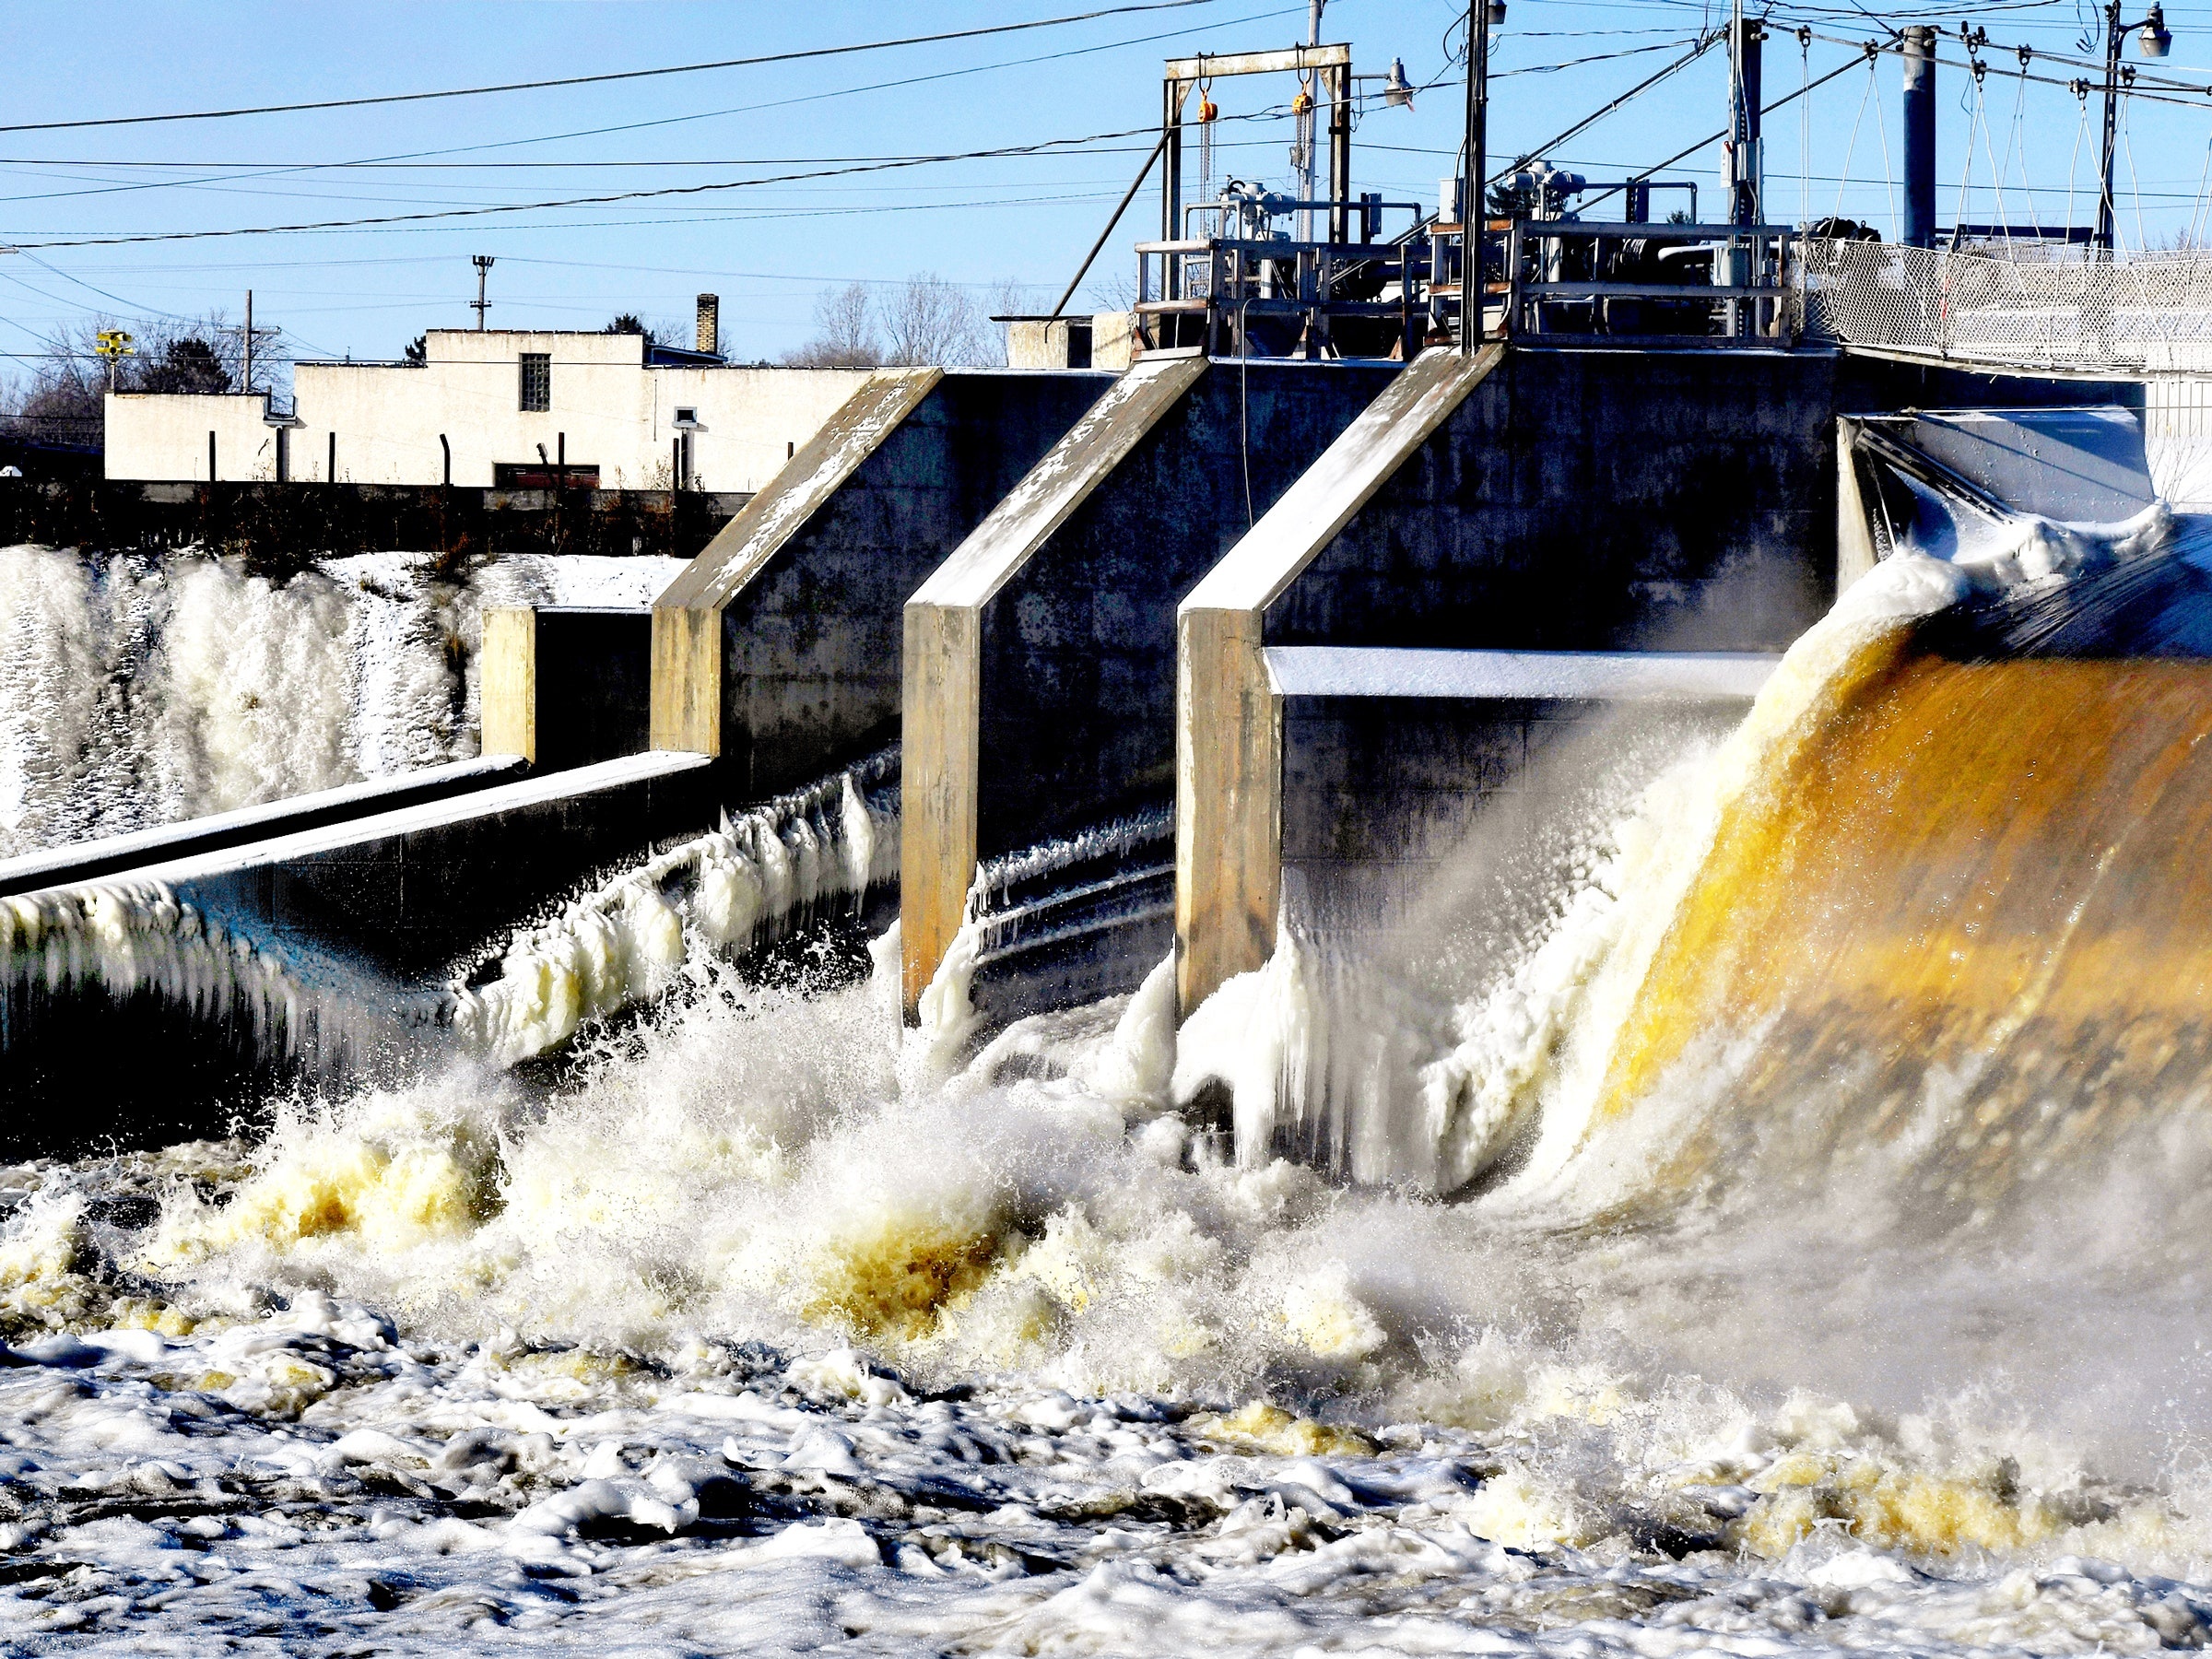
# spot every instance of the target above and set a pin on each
(770, 250)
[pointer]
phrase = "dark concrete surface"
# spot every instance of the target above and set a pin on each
(281, 525)
(1579, 500)
(1597, 501)
(1079, 648)
(594, 667)
(811, 645)
(419, 897)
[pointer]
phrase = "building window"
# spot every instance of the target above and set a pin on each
(538, 381)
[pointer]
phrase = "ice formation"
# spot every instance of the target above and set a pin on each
(770, 869)
(129, 936)
(136, 689)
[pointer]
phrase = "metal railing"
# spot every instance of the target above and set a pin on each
(1238, 292)
(1708, 285)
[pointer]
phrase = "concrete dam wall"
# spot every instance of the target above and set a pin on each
(1039, 692)
(1654, 507)
(777, 650)
(1085, 667)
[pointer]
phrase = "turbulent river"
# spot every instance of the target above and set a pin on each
(1787, 1235)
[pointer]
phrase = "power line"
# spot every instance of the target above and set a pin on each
(608, 198)
(590, 201)
(1716, 138)
(1698, 50)
(619, 75)
(264, 169)
(457, 166)
(2155, 89)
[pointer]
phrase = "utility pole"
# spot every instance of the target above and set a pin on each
(249, 338)
(1473, 213)
(2153, 42)
(482, 263)
(2112, 112)
(1746, 90)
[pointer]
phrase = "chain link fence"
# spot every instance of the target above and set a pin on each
(2148, 313)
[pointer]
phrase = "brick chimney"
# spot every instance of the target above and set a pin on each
(709, 323)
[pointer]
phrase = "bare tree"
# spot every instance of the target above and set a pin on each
(66, 391)
(844, 331)
(1114, 292)
(930, 320)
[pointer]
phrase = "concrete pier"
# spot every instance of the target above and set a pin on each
(1531, 501)
(1229, 712)
(565, 686)
(777, 650)
(1039, 659)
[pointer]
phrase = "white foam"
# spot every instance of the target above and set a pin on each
(740, 1341)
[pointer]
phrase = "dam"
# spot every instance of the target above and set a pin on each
(1476, 931)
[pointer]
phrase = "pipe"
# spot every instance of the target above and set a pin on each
(1920, 136)
(448, 459)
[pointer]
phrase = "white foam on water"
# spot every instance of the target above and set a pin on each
(450, 1367)
(756, 1335)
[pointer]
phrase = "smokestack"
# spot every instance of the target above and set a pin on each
(1920, 136)
(709, 323)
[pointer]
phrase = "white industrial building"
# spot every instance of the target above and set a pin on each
(494, 409)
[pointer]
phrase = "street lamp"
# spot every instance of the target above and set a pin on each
(2153, 41)
(1482, 16)
(114, 344)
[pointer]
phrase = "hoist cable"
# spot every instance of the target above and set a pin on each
(1851, 149)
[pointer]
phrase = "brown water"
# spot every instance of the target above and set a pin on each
(1971, 921)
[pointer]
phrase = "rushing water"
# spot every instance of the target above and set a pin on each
(1828, 1166)
(135, 690)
